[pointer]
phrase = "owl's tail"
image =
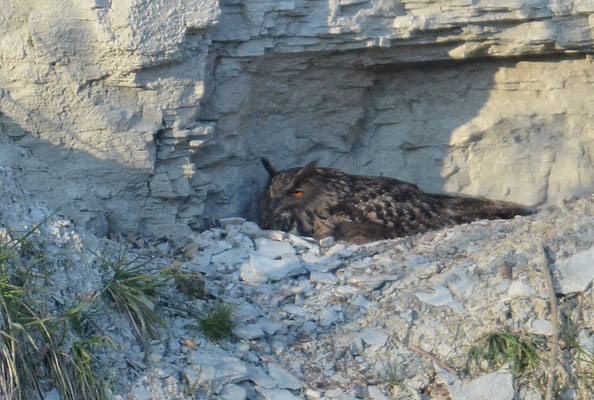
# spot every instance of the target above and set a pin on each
(467, 209)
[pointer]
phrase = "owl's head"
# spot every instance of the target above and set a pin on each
(290, 187)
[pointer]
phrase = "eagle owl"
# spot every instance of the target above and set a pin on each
(320, 202)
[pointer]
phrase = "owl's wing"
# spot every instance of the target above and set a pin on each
(390, 207)
(467, 209)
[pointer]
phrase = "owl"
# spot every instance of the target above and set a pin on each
(321, 202)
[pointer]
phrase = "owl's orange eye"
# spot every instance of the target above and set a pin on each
(296, 193)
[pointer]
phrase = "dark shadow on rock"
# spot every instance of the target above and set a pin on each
(435, 123)
(91, 191)
(392, 120)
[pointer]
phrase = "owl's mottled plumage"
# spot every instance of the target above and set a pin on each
(322, 202)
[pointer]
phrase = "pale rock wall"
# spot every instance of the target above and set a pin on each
(98, 106)
(151, 115)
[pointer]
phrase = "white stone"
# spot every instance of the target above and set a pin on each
(313, 394)
(320, 264)
(190, 375)
(541, 327)
(361, 301)
(52, 395)
(375, 393)
(141, 393)
(374, 337)
(346, 290)
(217, 367)
(577, 272)
(426, 270)
(272, 248)
(261, 268)
(260, 378)
(323, 277)
(338, 394)
(282, 377)
(251, 229)
(328, 316)
(231, 221)
(536, 395)
(304, 243)
(439, 296)
(232, 392)
(415, 261)
(498, 385)
(459, 282)
(249, 331)
(309, 327)
(339, 249)
(371, 282)
(270, 327)
(246, 310)
(229, 258)
(519, 288)
(276, 394)
(296, 310)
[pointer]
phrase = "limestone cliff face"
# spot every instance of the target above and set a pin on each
(151, 115)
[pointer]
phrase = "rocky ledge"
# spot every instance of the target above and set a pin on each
(395, 319)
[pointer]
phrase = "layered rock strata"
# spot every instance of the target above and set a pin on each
(150, 116)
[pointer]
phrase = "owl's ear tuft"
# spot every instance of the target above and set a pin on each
(268, 166)
(305, 171)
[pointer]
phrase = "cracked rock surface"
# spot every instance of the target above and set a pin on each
(151, 115)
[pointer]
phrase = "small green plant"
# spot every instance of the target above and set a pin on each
(135, 294)
(392, 377)
(501, 347)
(189, 283)
(18, 348)
(585, 369)
(217, 323)
(583, 358)
(191, 389)
(81, 316)
(92, 385)
(35, 346)
(70, 369)
(390, 374)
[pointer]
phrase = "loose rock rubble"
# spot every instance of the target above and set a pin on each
(324, 320)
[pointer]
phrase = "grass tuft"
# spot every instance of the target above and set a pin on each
(71, 370)
(501, 347)
(135, 294)
(18, 348)
(583, 358)
(92, 385)
(392, 377)
(217, 323)
(36, 352)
